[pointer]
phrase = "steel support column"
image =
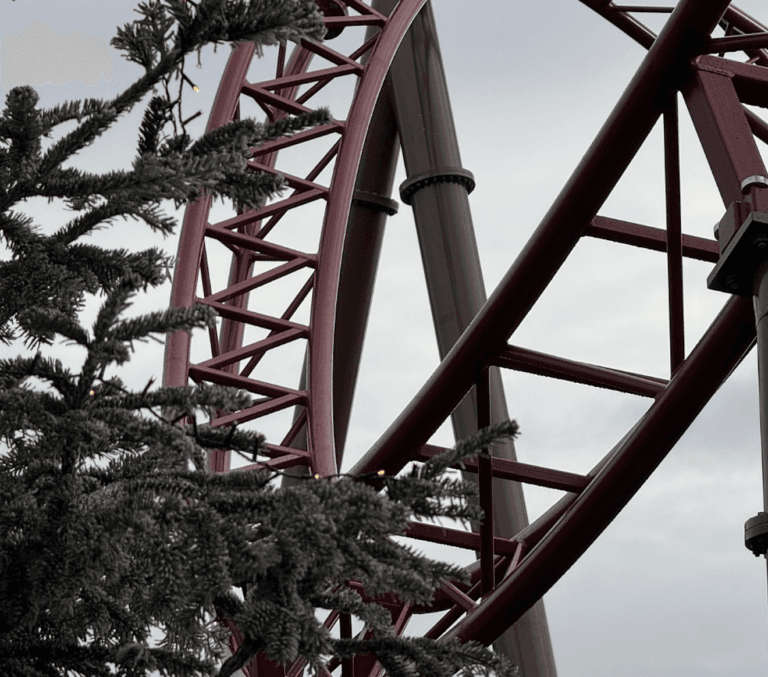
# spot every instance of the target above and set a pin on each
(644, 100)
(757, 527)
(715, 99)
(761, 321)
(437, 188)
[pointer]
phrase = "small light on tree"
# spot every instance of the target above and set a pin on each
(192, 84)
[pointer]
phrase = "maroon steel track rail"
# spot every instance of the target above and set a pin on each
(482, 344)
(513, 572)
(243, 235)
(566, 221)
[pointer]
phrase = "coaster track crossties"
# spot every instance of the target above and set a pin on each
(519, 562)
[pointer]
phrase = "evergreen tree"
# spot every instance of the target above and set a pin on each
(110, 524)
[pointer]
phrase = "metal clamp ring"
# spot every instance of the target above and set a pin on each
(754, 180)
(375, 201)
(444, 175)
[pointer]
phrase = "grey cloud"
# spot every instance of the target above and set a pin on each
(38, 55)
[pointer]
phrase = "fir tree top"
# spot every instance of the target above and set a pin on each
(110, 525)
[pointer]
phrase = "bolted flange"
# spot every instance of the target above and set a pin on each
(756, 534)
(734, 273)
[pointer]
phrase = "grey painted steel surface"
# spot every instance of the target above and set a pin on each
(454, 279)
(760, 302)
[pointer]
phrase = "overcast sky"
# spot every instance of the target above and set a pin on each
(669, 590)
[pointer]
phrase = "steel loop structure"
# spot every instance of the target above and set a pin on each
(401, 100)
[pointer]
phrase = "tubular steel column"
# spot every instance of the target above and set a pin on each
(756, 530)
(437, 188)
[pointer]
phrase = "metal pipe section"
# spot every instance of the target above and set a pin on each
(371, 205)
(437, 188)
(759, 524)
(761, 321)
(323, 315)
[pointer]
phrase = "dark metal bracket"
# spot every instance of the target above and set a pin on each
(735, 271)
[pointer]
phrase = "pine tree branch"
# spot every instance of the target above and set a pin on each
(244, 654)
(106, 530)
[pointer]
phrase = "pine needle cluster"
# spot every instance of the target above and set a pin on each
(111, 526)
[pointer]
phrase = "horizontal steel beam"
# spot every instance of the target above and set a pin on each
(655, 239)
(533, 362)
(514, 470)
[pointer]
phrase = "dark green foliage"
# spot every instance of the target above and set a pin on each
(111, 527)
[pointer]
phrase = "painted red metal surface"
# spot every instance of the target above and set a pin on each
(513, 573)
(566, 221)
(437, 188)
(326, 287)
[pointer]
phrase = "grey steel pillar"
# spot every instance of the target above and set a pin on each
(761, 321)
(756, 528)
(437, 188)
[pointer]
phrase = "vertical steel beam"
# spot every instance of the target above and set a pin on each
(437, 187)
(674, 236)
(761, 320)
(724, 130)
(485, 481)
(760, 302)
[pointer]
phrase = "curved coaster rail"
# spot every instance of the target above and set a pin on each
(514, 571)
